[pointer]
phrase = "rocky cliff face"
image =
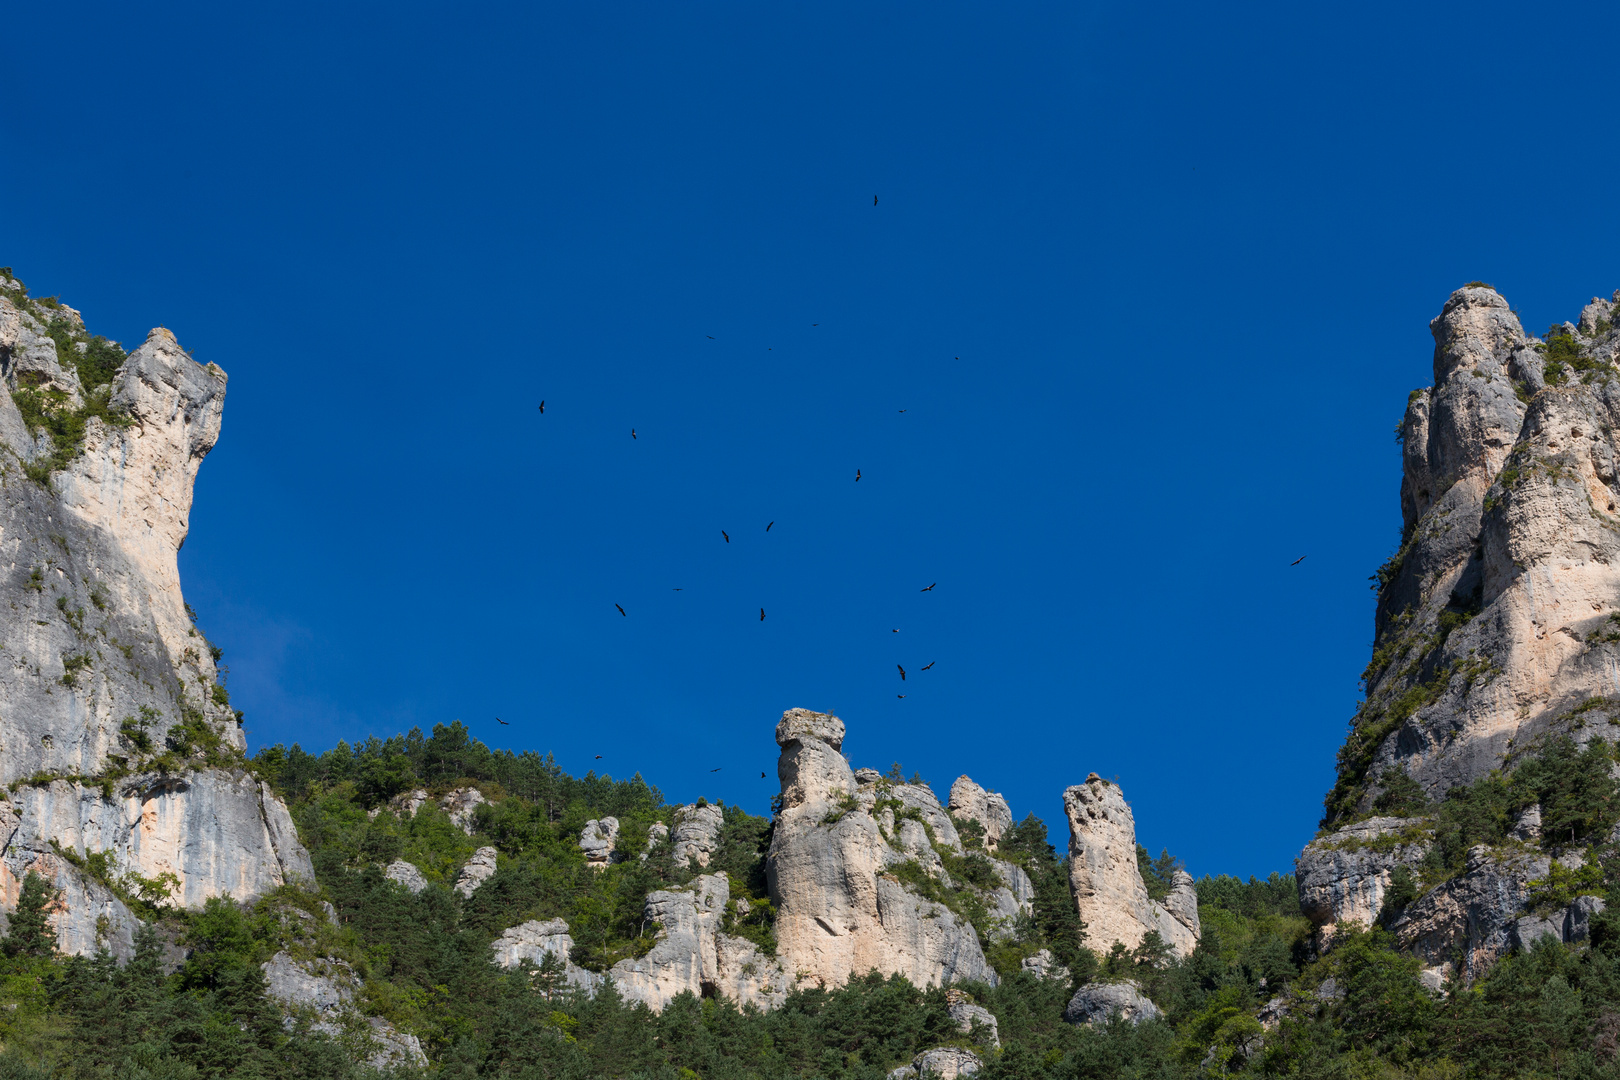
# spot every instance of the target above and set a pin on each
(114, 732)
(1497, 618)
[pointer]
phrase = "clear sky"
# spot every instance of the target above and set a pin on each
(1126, 333)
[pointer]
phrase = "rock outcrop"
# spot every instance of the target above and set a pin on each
(971, 1018)
(324, 990)
(535, 941)
(697, 832)
(1043, 965)
(598, 839)
(478, 869)
(1498, 620)
(103, 670)
(841, 910)
(461, 805)
(989, 809)
(406, 874)
(1106, 881)
(1096, 1002)
(941, 1063)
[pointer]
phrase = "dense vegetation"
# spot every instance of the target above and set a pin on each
(422, 960)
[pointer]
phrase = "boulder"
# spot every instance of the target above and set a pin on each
(697, 832)
(1096, 1002)
(1104, 877)
(597, 840)
(406, 874)
(478, 869)
(969, 1016)
(941, 1063)
(839, 911)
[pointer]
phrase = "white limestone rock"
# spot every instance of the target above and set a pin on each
(941, 1063)
(1043, 965)
(968, 1016)
(325, 990)
(407, 803)
(406, 874)
(1097, 1001)
(478, 869)
(989, 809)
(657, 833)
(598, 839)
(839, 912)
(461, 804)
(697, 833)
(534, 941)
(1104, 876)
(1342, 877)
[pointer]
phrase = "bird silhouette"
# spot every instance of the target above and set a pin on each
(761, 614)
(677, 590)
(874, 200)
(723, 533)
(709, 336)
(902, 410)
(598, 757)
(929, 589)
(768, 527)
(762, 776)
(894, 631)
(899, 695)
(930, 664)
(621, 610)
(815, 324)
(542, 404)
(717, 770)
(902, 672)
(498, 720)
(632, 433)
(857, 476)
(1297, 561)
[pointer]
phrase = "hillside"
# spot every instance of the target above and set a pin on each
(425, 904)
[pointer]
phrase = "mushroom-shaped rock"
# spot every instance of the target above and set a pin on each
(1096, 1002)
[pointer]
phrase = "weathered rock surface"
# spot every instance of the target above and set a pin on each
(989, 809)
(325, 990)
(534, 941)
(1043, 965)
(969, 1017)
(839, 912)
(461, 804)
(1104, 876)
(1496, 619)
(941, 1063)
(1096, 1002)
(1343, 876)
(1566, 925)
(406, 874)
(657, 833)
(697, 832)
(479, 869)
(598, 839)
(101, 668)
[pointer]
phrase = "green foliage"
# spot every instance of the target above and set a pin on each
(29, 933)
(1401, 795)
(1562, 885)
(1157, 874)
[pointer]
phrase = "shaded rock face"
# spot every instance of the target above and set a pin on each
(697, 833)
(1104, 877)
(1096, 1002)
(102, 664)
(598, 839)
(1497, 620)
(325, 990)
(839, 911)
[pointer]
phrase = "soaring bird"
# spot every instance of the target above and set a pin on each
(621, 610)
(717, 770)
(542, 404)
(709, 336)
(874, 200)
(632, 433)
(902, 673)
(896, 631)
(929, 589)
(598, 757)
(899, 695)
(857, 476)
(768, 527)
(761, 614)
(723, 533)
(498, 720)
(677, 590)
(762, 776)
(902, 410)
(930, 664)
(1297, 561)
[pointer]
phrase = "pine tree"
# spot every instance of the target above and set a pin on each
(30, 933)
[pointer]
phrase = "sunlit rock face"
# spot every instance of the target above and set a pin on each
(101, 669)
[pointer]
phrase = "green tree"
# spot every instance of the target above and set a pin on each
(29, 932)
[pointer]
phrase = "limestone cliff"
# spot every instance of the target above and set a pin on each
(1496, 619)
(115, 736)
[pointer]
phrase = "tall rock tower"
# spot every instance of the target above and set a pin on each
(116, 739)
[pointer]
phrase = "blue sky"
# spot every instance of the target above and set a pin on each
(1150, 284)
